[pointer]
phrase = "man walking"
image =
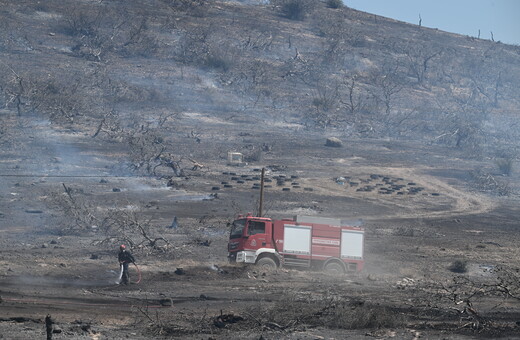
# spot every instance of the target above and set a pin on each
(125, 257)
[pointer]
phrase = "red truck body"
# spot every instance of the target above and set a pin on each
(303, 242)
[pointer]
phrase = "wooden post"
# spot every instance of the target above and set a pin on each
(48, 327)
(261, 193)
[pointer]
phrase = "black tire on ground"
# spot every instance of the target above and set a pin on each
(266, 263)
(334, 268)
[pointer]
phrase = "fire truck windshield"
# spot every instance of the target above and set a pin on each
(237, 228)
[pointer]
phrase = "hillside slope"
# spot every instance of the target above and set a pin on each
(84, 62)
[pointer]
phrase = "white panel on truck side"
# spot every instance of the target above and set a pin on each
(297, 239)
(352, 244)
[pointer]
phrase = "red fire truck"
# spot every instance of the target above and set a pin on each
(304, 241)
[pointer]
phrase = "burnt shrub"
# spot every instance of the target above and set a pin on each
(334, 3)
(371, 317)
(459, 266)
(295, 9)
(331, 313)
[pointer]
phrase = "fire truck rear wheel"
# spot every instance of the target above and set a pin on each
(266, 263)
(334, 268)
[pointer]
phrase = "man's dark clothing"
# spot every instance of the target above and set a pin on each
(125, 258)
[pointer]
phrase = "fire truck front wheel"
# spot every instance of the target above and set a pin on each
(266, 263)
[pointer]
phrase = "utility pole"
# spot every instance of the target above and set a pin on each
(261, 193)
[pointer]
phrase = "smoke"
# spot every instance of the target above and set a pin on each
(64, 282)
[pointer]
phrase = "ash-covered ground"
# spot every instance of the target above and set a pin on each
(421, 216)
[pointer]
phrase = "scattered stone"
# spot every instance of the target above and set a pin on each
(45, 245)
(334, 142)
(53, 242)
(205, 243)
(405, 283)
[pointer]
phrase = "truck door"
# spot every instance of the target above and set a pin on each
(257, 236)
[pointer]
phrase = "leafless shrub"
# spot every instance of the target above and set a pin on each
(156, 324)
(387, 84)
(468, 297)
(194, 45)
(99, 31)
(127, 226)
(79, 211)
(459, 120)
(419, 58)
(94, 31)
(507, 281)
(356, 98)
(340, 37)
(139, 39)
(61, 101)
(119, 224)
